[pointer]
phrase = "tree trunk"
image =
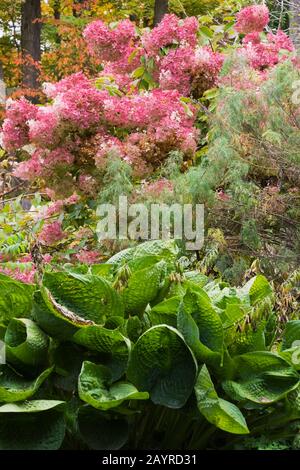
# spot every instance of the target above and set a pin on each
(295, 22)
(30, 41)
(56, 9)
(161, 7)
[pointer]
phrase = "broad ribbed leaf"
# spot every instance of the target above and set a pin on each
(258, 288)
(121, 257)
(162, 364)
(100, 431)
(87, 296)
(34, 431)
(196, 277)
(198, 305)
(15, 299)
(32, 406)
(142, 287)
(103, 270)
(95, 387)
(111, 343)
(14, 387)
(53, 318)
(291, 334)
(223, 414)
(164, 249)
(165, 312)
(136, 264)
(190, 331)
(261, 377)
(25, 343)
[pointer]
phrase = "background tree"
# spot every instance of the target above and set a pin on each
(30, 41)
(161, 7)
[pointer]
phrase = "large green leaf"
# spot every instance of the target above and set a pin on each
(87, 296)
(223, 414)
(291, 334)
(190, 331)
(121, 257)
(142, 287)
(167, 250)
(261, 377)
(112, 344)
(25, 343)
(258, 289)
(32, 406)
(142, 262)
(14, 387)
(101, 431)
(15, 299)
(95, 387)
(198, 305)
(32, 431)
(162, 364)
(165, 312)
(54, 319)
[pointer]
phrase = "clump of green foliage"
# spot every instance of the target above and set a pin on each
(140, 352)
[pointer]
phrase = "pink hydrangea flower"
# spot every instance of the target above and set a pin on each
(26, 276)
(81, 107)
(252, 18)
(157, 188)
(109, 148)
(42, 128)
(15, 127)
(51, 233)
(171, 30)
(58, 157)
(88, 257)
(87, 184)
(76, 80)
(176, 68)
(30, 169)
(109, 44)
(263, 54)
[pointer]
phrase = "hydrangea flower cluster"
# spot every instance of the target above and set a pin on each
(263, 54)
(25, 273)
(15, 126)
(109, 43)
(171, 31)
(252, 19)
(51, 233)
(70, 140)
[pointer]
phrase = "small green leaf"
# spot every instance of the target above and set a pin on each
(95, 387)
(223, 414)
(115, 347)
(261, 377)
(32, 406)
(14, 387)
(162, 364)
(26, 343)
